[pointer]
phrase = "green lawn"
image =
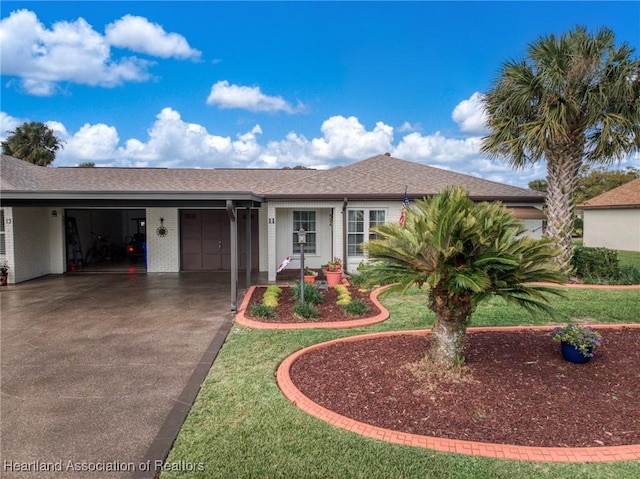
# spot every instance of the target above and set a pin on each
(242, 427)
(629, 258)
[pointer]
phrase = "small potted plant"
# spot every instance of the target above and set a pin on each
(4, 272)
(333, 272)
(309, 275)
(335, 264)
(577, 342)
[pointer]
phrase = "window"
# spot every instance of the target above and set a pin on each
(3, 247)
(307, 221)
(355, 232)
(376, 218)
(359, 228)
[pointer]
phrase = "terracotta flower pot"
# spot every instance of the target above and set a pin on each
(333, 277)
(310, 279)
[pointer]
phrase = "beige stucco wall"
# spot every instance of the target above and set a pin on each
(163, 252)
(34, 242)
(612, 228)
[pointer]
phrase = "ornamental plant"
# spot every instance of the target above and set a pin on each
(271, 297)
(583, 338)
(344, 296)
(4, 267)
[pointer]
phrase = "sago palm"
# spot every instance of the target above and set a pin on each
(465, 253)
(575, 99)
(33, 142)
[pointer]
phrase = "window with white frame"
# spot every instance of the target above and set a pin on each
(3, 246)
(307, 221)
(359, 225)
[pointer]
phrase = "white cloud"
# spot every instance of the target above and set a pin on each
(346, 138)
(94, 143)
(470, 115)
(7, 124)
(173, 142)
(140, 35)
(225, 95)
(74, 52)
(436, 148)
(407, 127)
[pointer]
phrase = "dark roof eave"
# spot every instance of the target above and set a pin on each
(133, 195)
(393, 196)
(607, 207)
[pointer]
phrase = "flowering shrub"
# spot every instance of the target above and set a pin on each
(583, 338)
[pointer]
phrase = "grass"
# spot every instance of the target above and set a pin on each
(242, 427)
(629, 258)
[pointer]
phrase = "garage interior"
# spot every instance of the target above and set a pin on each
(105, 240)
(114, 240)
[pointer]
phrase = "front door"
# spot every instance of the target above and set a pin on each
(205, 240)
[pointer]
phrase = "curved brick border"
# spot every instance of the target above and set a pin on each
(500, 451)
(355, 323)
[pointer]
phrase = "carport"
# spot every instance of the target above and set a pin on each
(99, 370)
(44, 213)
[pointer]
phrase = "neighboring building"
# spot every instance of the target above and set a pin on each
(612, 220)
(190, 217)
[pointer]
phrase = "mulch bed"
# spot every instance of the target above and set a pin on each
(329, 310)
(521, 391)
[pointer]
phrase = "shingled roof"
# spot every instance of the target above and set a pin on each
(625, 196)
(384, 176)
(378, 177)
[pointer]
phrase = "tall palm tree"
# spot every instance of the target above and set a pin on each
(574, 100)
(465, 252)
(33, 142)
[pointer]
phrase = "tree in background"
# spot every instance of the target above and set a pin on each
(539, 185)
(33, 142)
(594, 181)
(466, 253)
(87, 164)
(574, 100)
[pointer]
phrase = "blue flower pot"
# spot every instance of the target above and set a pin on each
(572, 354)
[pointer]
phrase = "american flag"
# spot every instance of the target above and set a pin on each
(403, 211)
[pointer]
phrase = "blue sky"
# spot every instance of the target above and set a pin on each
(272, 84)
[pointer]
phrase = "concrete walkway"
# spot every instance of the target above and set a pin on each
(98, 371)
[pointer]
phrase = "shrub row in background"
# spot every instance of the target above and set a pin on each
(601, 266)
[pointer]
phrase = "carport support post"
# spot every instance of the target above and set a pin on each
(233, 224)
(248, 245)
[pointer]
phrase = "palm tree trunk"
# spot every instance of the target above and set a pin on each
(450, 327)
(562, 179)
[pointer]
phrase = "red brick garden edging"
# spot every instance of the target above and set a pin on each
(353, 323)
(499, 451)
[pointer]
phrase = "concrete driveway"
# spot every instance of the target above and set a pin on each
(98, 371)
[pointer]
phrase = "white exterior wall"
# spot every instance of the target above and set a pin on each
(284, 236)
(392, 211)
(279, 226)
(263, 239)
(34, 242)
(612, 228)
(280, 237)
(534, 228)
(163, 252)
